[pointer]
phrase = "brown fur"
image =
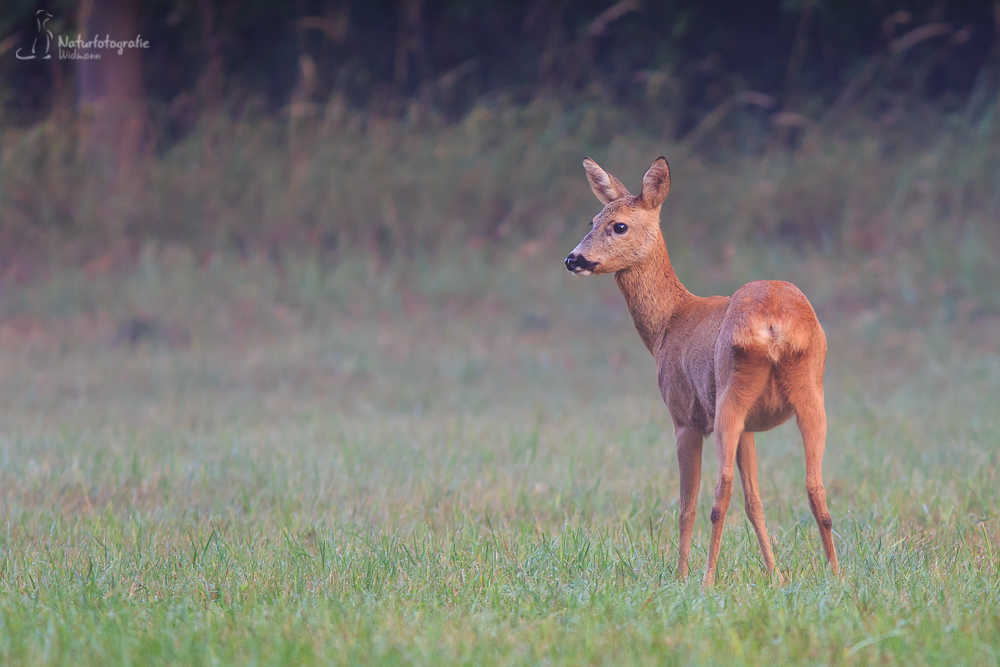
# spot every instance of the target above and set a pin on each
(733, 365)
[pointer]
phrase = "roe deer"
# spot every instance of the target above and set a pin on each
(734, 365)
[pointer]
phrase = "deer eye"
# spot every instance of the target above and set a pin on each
(619, 227)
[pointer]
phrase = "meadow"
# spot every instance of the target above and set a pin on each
(291, 371)
(222, 459)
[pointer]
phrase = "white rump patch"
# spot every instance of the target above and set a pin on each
(770, 335)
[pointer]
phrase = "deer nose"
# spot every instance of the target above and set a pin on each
(580, 264)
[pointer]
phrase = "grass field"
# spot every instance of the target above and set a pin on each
(225, 461)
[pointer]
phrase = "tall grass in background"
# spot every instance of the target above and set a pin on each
(920, 198)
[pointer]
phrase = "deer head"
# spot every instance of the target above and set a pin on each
(627, 231)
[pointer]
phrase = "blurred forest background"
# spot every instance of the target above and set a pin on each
(409, 126)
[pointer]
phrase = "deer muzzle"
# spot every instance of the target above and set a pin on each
(580, 265)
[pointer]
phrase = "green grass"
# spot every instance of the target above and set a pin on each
(467, 462)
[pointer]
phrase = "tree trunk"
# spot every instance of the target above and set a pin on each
(114, 121)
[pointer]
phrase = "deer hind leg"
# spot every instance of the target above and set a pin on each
(746, 460)
(812, 423)
(742, 390)
(689, 443)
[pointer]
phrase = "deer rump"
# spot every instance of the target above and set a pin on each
(768, 327)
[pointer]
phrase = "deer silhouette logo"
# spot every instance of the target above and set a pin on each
(41, 17)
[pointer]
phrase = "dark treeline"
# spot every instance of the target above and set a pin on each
(384, 56)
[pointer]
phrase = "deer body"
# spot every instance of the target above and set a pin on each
(729, 365)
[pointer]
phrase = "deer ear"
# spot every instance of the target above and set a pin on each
(605, 186)
(655, 184)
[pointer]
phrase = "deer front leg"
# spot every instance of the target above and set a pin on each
(689, 443)
(746, 460)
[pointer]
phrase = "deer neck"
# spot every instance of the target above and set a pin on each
(652, 292)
